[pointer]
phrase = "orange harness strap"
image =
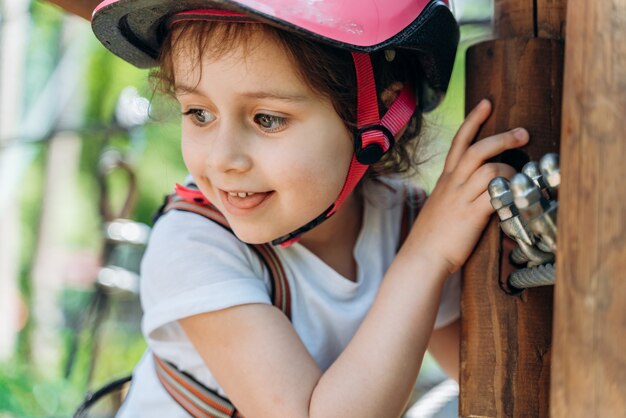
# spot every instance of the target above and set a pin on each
(198, 400)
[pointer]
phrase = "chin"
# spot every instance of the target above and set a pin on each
(255, 235)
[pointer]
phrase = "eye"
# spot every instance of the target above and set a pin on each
(200, 117)
(270, 123)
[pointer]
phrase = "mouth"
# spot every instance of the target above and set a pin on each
(239, 202)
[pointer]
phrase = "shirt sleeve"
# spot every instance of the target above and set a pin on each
(450, 306)
(193, 265)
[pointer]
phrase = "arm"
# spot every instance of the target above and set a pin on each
(82, 8)
(259, 360)
(259, 353)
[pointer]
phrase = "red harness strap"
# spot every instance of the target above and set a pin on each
(198, 400)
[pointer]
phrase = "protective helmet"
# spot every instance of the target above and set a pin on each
(424, 29)
(133, 29)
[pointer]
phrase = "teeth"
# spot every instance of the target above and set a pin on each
(240, 194)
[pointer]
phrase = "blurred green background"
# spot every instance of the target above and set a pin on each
(60, 89)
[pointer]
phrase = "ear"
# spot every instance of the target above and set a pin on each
(390, 93)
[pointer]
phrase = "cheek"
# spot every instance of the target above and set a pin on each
(317, 170)
(187, 154)
(192, 152)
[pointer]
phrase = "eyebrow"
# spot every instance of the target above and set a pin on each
(180, 89)
(274, 95)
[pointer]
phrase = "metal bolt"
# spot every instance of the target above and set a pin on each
(531, 169)
(539, 214)
(549, 167)
(525, 193)
(502, 198)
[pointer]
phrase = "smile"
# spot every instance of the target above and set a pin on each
(241, 203)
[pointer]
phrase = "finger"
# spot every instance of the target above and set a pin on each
(479, 181)
(487, 148)
(466, 133)
(482, 205)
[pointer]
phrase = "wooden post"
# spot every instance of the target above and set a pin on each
(506, 340)
(589, 366)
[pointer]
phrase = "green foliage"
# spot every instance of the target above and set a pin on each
(28, 392)
(25, 390)
(441, 125)
(24, 393)
(45, 33)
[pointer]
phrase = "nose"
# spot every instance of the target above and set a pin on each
(230, 150)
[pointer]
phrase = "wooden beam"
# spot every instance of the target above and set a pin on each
(505, 350)
(550, 19)
(589, 369)
(529, 19)
(513, 19)
(506, 340)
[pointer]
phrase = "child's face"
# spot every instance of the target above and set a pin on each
(265, 149)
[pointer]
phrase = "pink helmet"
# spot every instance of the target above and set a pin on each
(132, 29)
(424, 29)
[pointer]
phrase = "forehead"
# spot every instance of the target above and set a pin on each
(240, 47)
(217, 38)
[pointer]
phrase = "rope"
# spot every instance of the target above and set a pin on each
(434, 400)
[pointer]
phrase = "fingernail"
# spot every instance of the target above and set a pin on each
(520, 133)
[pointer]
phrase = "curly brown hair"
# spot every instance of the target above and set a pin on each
(327, 70)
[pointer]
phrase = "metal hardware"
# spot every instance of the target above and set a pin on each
(527, 207)
(514, 226)
(538, 212)
(542, 275)
(531, 169)
(549, 167)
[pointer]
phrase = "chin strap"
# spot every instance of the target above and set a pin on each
(373, 138)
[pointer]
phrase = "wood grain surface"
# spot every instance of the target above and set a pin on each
(505, 350)
(589, 369)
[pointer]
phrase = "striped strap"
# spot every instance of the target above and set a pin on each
(198, 400)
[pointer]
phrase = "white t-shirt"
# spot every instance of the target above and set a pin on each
(193, 266)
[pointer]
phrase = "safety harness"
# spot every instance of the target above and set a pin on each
(198, 400)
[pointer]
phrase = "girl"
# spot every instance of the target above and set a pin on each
(296, 117)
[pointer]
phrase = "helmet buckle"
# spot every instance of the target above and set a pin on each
(374, 151)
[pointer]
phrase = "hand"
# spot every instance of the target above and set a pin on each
(458, 209)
